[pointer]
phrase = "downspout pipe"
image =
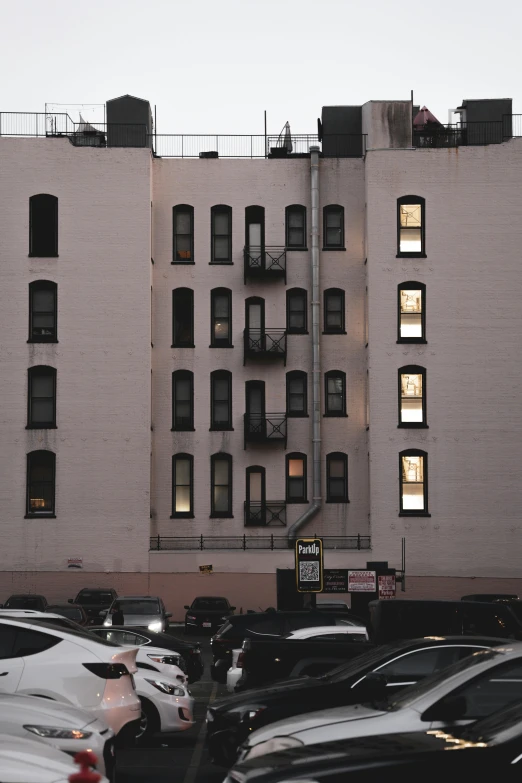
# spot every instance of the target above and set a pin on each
(311, 512)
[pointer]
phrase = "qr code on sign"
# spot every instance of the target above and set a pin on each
(309, 571)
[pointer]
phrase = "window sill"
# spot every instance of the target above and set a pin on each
(334, 249)
(49, 342)
(182, 516)
(35, 255)
(335, 415)
(41, 427)
(414, 514)
(331, 331)
(221, 429)
(182, 263)
(412, 425)
(296, 249)
(182, 346)
(40, 516)
(296, 502)
(221, 516)
(221, 263)
(337, 501)
(220, 346)
(182, 429)
(411, 341)
(297, 416)
(297, 331)
(411, 255)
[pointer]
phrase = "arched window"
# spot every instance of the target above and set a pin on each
(334, 311)
(255, 231)
(41, 402)
(337, 477)
(255, 502)
(296, 393)
(183, 318)
(221, 400)
(335, 393)
(41, 479)
(43, 226)
(333, 227)
(182, 486)
(295, 222)
(413, 477)
(411, 312)
(183, 234)
(411, 224)
(221, 485)
(182, 400)
(221, 318)
(221, 231)
(296, 311)
(412, 396)
(43, 309)
(296, 478)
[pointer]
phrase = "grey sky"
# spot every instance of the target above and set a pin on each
(214, 66)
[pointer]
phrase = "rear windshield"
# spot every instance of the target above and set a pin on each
(93, 597)
(23, 602)
(138, 606)
(72, 612)
(209, 604)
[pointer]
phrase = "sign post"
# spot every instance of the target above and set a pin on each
(309, 569)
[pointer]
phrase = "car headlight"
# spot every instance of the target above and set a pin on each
(156, 626)
(54, 732)
(107, 623)
(190, 617)
(166, 687)
(273, 745)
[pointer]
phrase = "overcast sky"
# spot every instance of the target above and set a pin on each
(215, 66)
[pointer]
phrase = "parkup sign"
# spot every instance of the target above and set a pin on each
(309, 570)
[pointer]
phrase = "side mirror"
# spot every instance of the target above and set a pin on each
(448, 710)
(103, 613)
(186, 607)
(373, 687)
(168, 614)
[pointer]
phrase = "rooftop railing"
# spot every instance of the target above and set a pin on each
(469, 134)
(251, 542)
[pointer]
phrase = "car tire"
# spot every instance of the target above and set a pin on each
(149, 723)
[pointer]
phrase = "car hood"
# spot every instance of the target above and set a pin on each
(209, 612)
(18, 709)
(313, 720)
(275, 692)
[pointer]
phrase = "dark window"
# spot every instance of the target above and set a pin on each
(7, 640)
(183, 223)
(334, 311)
(296, 311)
(43, 296)
(255, 233)
(43, 226)
(419, 663)
(221, 485)
(221, 223)
(333, 227)
(296, 478)
(296, 393)
(32, 642)
(411, 227)
(336, 477)
(221, 400)
(40, 483)
(41, 408)
(296, 226)
(335, 393)
(183, 318)
(492, 690)
(411, 312)
(182, 400)
(412, 396)
(183, 486)
(221, 318)
(413, 482)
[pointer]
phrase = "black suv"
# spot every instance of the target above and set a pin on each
(94, 601)
(35, 602)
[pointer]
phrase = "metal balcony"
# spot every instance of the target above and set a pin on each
(271, 512)
(270, 428)
(264, 344)
(267, 263)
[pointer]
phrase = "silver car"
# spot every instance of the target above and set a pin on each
(139, 611)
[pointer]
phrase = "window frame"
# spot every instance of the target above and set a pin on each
(327, 376)
(297, 375)
(412, 369)
(220, 375)
(220, 343)
(48, 513)
(412, 285)
(183, 343)
(413, 200)
(220, 209)
(334, 329)
(182, 375)
(296, 455)
(303, 295)
(182, 514)
(182, 209)
(40, 370)
(221, 456)
(330, 209)
(424, 512)
(34, 200)
(342, 456)
(296, 208)
(34, 287)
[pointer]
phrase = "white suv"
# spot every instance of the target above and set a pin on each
(73, 667)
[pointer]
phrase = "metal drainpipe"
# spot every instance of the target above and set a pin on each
(316, 357)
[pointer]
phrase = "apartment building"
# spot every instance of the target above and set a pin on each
(206, 355)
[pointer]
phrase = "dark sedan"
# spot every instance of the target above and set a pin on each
(72, 611)
(94, 600)
(230, 720)
(207, 614)
(26, 601)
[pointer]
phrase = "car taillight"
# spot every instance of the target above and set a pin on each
(107, 671)
(240, 659)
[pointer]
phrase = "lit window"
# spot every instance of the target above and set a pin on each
(182, 400)
(183, 226)
(410, 226)
(182, 486)
(221, 220)
(221, 400)
(336, 477)
(333, 227)
(183, 318)
(412, 313)
(296, 226)
(41, 469)
(414, 485)
(221, 485)
(296, 389)
(221, 317)
(42, 398)
(43, 226)
(42, 311)
(296, 478)
(335, 393)
(412, 396)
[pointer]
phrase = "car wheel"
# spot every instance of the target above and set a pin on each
(149, 722)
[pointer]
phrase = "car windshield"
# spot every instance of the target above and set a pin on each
(23, 602)
(95, 597)
(72, 612)
(209, 604)
(502, 726)
(516, 608)
(137, 606)
(362, 663)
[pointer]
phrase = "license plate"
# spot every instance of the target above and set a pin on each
(207, 625)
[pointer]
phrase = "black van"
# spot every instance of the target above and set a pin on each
(409, 619)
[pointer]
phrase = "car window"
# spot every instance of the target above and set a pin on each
(420, 663)
(490, 619)
(72, 612)
(7, 639)
(30, 642)
(94, 597)
(131, 606)
(23, 602)
(210, 604)
(123, 637)
(493, 690)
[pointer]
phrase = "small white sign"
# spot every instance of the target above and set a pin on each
(362, 582)
(75, 562)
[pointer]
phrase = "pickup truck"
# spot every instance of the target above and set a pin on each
(266, 660)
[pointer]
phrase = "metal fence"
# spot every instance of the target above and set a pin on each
(244, 543)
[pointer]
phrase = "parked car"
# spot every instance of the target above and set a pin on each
(489, 749)
(338, 633)
(94, 600)
(74, 612)
(235, 671)
(27, 761)
(57, 725)
(207, 613)
(331, 605)
(166, 704)
(467, 691)
(74, 667)
(232, 719)
(488, 597)
(138, 611)
(24, 601)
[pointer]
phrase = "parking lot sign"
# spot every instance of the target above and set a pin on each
(309, 565)
(362, 582)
